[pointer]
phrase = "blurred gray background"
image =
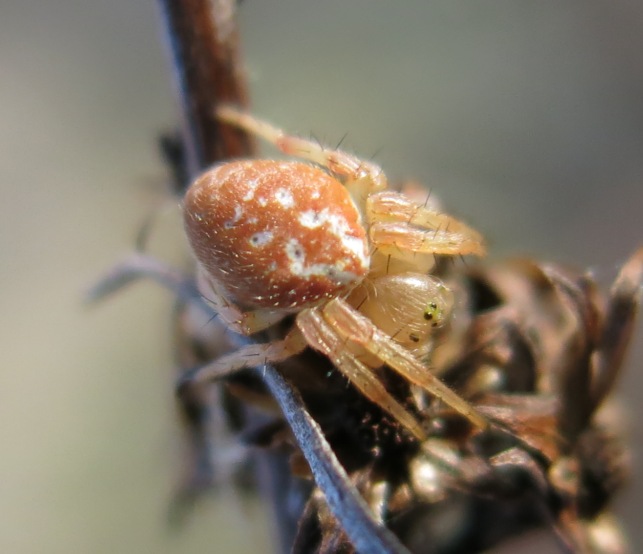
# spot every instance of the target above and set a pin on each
(525, 118)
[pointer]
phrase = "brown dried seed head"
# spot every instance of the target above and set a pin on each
(276, 234)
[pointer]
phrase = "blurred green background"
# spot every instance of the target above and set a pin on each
(525, 118)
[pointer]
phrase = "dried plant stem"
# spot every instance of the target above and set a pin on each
(204, 48)
(342, 498)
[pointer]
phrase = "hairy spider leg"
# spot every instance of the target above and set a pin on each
(354, 327)
(322, 337)
(244, 322)
(355, 170)
(252, 355)
(396, 221)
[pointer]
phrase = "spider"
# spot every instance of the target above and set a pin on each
(327, 242)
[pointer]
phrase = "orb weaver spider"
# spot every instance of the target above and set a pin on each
(330, 244)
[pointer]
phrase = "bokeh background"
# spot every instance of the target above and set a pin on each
(525, 118)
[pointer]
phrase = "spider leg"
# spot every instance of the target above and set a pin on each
(251, 355)
(241, 321)
(394, 207)
(354, 327)
(392, 237)
(399, 223)
(336, 161)
(321, 336)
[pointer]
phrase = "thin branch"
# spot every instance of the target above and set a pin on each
(203, 42)
(347, 505)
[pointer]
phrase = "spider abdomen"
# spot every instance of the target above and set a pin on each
(276, 234)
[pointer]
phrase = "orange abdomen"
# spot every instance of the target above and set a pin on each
(276, 234)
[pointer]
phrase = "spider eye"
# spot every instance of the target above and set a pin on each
(432, 313)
